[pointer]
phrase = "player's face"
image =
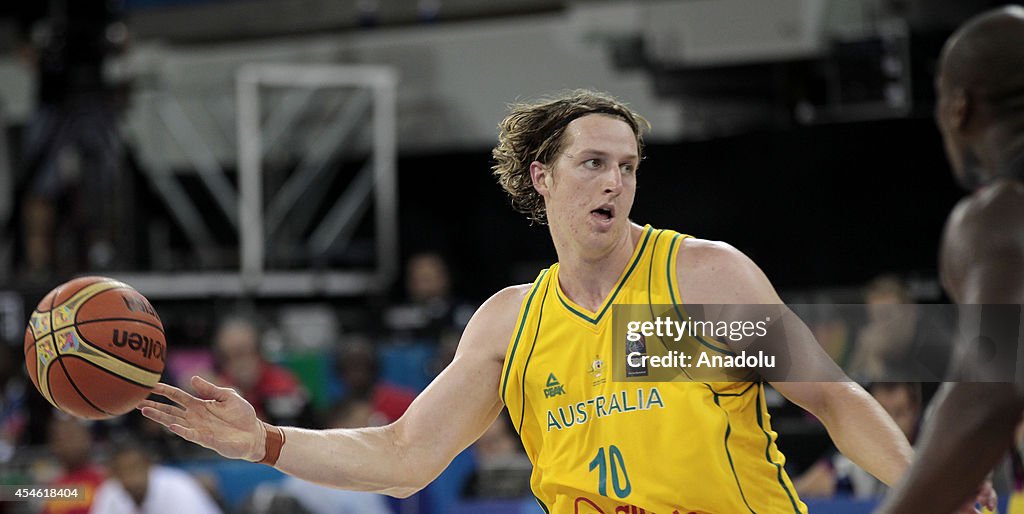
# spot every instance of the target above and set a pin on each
(948, 117)
(591, 182)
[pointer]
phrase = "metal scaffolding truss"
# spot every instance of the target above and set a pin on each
(286, 219)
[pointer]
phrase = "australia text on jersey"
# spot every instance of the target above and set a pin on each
(620, 402)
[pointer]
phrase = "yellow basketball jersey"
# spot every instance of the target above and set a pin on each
(600, 446)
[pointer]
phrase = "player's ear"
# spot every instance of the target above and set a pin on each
(960, 108)
(540, 174)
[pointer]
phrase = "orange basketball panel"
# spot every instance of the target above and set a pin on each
(30, 357)
(67, 398)
(68, 289)
(105, 390)
(45, 304)
(119, 303)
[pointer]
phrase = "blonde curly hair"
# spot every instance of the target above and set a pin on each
(533, 132)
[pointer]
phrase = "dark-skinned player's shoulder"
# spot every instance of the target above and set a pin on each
(983, 248)
(992, 217)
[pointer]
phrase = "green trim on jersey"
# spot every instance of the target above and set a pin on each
(522, 323)
(611, 299)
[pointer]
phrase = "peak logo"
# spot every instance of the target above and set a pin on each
(553, 388)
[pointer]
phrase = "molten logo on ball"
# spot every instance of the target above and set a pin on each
(137, 342)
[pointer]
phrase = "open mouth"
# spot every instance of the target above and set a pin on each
(603, 213)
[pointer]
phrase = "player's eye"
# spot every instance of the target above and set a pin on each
(628, 169)
(592, 164)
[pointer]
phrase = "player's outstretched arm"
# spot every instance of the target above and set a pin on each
(982, 263)
(397, 459)
(968, 435)
(858, 425)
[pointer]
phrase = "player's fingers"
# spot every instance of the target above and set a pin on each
(163, 407)
(164, 419)
(209, 390)
(188, 434)
(175, 395)
(991, 498)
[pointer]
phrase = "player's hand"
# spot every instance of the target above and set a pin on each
(986, 497)
(220, 419)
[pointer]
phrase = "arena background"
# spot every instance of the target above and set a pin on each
(800, 131)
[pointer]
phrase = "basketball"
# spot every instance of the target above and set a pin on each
(95, 347)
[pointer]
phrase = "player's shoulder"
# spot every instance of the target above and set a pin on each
(708, 247)
(495, 320)
(717, 272)
(994, 215)
(508, 299)
(705, 255)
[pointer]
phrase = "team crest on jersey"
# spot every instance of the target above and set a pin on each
(597, 370)
(553, 388)
(636, 347)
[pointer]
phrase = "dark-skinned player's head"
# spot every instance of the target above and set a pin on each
(980, 85)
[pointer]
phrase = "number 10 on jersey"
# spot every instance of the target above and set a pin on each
(620, 478)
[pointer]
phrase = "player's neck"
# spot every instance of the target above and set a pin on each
(1003, 153)
(587, 276)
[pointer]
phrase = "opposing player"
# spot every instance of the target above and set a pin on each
(544, 350)
(981, 116)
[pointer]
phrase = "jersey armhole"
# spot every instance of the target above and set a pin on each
(513, 343)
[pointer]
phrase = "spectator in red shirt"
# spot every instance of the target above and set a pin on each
(357, 368)
(70, 442)
(275, 393)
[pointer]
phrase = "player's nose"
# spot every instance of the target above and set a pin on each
(613, 182)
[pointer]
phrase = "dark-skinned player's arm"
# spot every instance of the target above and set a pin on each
(398, 459)
(858, 425)
(982, 263)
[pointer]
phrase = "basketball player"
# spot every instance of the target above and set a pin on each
(981, 116)
(597, 445)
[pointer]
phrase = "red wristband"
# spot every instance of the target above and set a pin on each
(272, 447)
